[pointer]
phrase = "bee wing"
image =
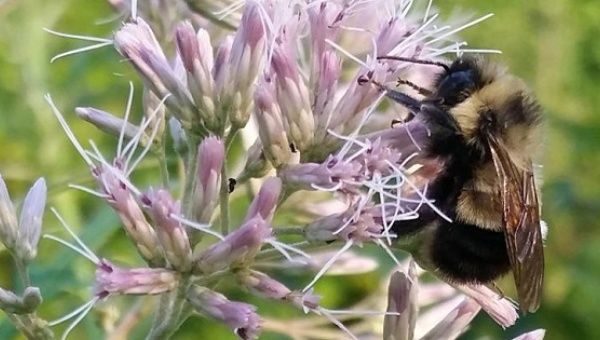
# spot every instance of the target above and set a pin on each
(521, 220)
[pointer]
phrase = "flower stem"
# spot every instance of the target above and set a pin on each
(224, 189)
(190, 178)
(169, 312)
(22, 270)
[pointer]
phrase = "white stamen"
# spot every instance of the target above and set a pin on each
(465, 26)
(328, 265)
(388, 251)
(407, 8)
(79, 50)
(228, 10)
(73, 313)
(336, 322)
(79, 37)
(67, 129)
(153, 116)
(201, 227)
(77, 239)
(427, 10)
(280, 249)
(290, 248)
(116, 172)
(125, 119)
(88, 190)
(134, 9)
(70, 245)
(419, 193)
(346, 53)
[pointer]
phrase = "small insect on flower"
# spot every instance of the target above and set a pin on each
(485, 131)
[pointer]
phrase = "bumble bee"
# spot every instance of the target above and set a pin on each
(485, 129)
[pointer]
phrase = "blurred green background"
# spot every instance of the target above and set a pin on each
(553, 44)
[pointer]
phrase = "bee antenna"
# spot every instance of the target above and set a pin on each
(415, 61)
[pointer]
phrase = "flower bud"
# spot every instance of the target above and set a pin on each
(236, 250)
(263, 285)
(293, 97)
(324, 90)
(451, 326)
(178, 136)
(196, 52)
(137, 227)
(245, 63)
(402, 299)
(256, 163)
(8, 218)
(265, 201)
(211, 155)
(12, 303)
(171, 234)
(109, 123)
(30, 222)
(112, 280)
(498, 308)
(276, 145)
(240, 317)
(136, 42)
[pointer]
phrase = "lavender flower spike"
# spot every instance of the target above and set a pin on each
(276, 145)
(240, 317)
(236, 250)
(136, 42)
(293, 97)
(455, 322)
(211, 155)
(265, 202)
(112, 280)
(263, 285)
(195, 50)
(8, 218)
(402, 299)
(137, 227)
(109, 123)
(30, 222)
(245, 63)
(171, 234)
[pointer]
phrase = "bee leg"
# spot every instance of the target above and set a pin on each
(402, 121)
(422, 91)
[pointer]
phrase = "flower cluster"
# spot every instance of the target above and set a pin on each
(286, 87)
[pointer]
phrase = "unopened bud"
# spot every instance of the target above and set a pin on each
(109, 123)
(236, 250)
(30, 222)
(8, 218)
(171, 234)
(257, 164)
(240, 317)
(12, 303)
(112, 280)
(265, 201)
(211, 155)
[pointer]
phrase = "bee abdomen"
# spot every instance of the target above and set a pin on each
(465, 253)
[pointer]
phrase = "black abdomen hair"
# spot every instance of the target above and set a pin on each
(465, 253)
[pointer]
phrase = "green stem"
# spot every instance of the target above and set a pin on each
(164, 170)
(22, 270)
(288, 231)
(224, 189)
(169, 312)
(32, 326)
(190, 178)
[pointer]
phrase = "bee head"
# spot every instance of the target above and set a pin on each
(496, 103)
